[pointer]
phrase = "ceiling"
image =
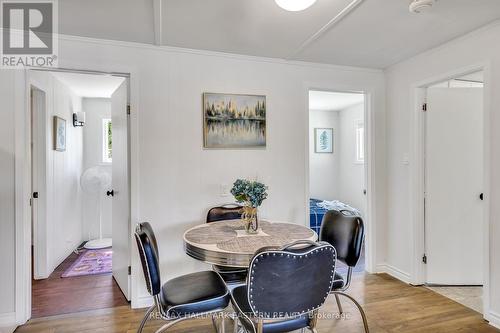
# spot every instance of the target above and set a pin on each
(92, 86)
(373, 33)
(333, 101)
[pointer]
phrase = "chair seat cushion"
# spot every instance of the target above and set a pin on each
(193, 294)
(338, 282)
(239, 299)
(232, 274)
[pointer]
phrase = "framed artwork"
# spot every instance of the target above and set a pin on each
(59, 134)
(234, 121)
(323, 140)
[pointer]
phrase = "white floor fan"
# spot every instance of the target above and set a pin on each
(94, 181)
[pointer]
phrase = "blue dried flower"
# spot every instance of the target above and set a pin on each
(249, 192)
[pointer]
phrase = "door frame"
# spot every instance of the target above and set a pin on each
(23, 270)
(417, 174)
(369, 167)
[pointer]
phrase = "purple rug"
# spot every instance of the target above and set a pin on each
(91, 262)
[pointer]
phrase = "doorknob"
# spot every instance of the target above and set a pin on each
(110, 193)
(481, 196)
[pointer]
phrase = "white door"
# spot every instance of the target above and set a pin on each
(454, 182)
(121, 198)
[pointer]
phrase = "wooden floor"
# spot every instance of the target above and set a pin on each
(390, 305)
(56, 295)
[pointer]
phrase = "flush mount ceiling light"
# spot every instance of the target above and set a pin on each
(295, 5)
(418, 6)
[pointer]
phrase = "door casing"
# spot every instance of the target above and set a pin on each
(417, 178)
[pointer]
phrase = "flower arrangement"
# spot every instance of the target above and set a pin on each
(251, 194)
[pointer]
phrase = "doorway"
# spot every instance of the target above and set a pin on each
(81, 196)
(454, 189)
(337, 157)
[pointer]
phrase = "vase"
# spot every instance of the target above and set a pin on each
(250, 219)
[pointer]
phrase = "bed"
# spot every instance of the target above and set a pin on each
(318, 208)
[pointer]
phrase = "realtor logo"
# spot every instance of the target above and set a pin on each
(28, 36)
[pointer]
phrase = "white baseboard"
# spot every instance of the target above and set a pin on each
(493, 318)
(394, 272)
(7, 322)
(143, 302)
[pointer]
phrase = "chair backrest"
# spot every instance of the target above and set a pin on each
(223, 213)
(345, 231)
(148, 252)
(290, 282)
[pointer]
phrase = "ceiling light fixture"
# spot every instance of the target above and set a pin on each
(295, 5)
(418, 6)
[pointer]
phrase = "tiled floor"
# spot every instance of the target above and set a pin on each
(471, 297)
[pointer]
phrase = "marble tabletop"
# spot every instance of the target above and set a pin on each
(226, 243)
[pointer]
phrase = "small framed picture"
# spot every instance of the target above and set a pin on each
(323, 140)
(59, 134)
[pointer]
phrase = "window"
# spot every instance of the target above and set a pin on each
(107, 141)
(360, 142)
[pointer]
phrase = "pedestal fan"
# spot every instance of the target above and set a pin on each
(94, 181)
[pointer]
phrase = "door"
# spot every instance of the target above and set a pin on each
(454, 182)
(121, 198)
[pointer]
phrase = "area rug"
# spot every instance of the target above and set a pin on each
(91, 262)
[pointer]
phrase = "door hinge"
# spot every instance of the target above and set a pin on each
(128, 109)
(424, 107)
(424, 259)
(129, 270)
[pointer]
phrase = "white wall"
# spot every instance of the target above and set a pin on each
(7, 187)
(96, 110)
(351, 174)
(175, 180)
(323, 167)
(482, 46)
(62, 231)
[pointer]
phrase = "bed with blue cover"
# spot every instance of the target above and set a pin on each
(318, 208)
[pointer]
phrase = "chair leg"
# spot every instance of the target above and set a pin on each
(221, 328)
(361, 311)
(145, 319)
(170, 324)
(339, 305)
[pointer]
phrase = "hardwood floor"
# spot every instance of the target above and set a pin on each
(390, 305)
(56, 295)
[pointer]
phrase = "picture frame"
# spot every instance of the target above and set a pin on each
(234, 121)
(323, 140)
(59, 134)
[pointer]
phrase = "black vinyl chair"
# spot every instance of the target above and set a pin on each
(285, 288)
(345, 231)
(184, 297)
(231, 275)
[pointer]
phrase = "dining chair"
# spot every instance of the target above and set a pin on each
(231, 275)
(185, 297)
(345, 231)
(285, 288)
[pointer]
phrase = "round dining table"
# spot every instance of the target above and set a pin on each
(226, 243)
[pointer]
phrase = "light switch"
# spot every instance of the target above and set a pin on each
(406, 159)
(224, 190)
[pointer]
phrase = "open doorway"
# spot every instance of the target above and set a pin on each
(81, 197)
(337, 167)
(454, 186)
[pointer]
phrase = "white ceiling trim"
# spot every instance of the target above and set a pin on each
(173, 49)
(317, 35)
(158, 27)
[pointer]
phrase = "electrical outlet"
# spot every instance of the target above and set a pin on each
(224, 190)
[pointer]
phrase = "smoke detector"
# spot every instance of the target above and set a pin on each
(418, 6)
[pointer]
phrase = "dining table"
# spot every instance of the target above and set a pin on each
(227, 243)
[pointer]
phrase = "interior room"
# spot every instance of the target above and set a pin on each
(336, 156)
(72, 224)
(249, 166)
